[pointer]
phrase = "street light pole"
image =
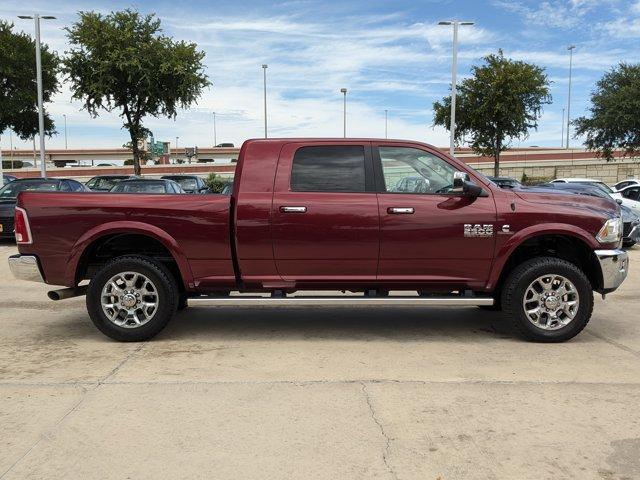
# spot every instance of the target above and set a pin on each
(344, 112)
(264, 72)
(570, 48)
(36, 18)
(454, 72)
(562, 134)
(215, 140)
(386, 112)
(66, 145)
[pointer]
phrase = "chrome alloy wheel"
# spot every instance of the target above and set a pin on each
(129, 299)
(551, 302)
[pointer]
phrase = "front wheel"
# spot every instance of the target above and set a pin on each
(548, 299)
(132, 298)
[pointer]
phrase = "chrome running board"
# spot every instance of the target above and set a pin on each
(347, 300)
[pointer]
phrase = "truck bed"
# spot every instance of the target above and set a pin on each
(195, 228)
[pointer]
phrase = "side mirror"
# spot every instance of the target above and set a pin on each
(459, 179)
(619, 201)
(462, 185)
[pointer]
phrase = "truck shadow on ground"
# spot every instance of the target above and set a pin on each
(336, 323)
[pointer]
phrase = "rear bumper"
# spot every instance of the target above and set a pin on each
(614, 265)
(25, 267)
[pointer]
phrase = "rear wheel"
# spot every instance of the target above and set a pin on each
(548, 299)
(132, 298)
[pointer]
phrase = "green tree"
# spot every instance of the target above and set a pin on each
(122, 62)
(18, 91)
(502, 100)
(215, 182)
(615, 119)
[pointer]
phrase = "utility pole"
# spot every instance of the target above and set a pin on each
(1, 166)
(386, 123)
(344, 112)
(215, 140)
(66, 145)
(454, 72)
(264, 72)
(562, 134)
(570, 48)
(36, 18)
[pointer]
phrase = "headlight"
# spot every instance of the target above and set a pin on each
(611, 231)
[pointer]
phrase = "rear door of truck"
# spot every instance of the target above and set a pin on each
(325, 223)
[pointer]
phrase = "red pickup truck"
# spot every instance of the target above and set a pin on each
(386, 222)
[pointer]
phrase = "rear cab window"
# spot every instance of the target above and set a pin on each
(329, 168)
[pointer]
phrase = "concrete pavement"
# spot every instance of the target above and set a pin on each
(353, 393)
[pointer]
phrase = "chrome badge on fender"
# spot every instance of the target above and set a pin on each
(478, 230)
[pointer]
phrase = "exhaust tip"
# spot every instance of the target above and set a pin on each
(53, 295)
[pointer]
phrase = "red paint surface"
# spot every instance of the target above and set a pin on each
(344, 240)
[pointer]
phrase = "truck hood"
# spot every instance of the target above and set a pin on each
(551, 196)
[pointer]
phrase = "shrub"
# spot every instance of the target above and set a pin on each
(215, 182)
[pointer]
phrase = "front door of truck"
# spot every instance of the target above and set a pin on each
(427, 233)
(324, 216)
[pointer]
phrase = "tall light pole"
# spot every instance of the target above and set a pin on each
(562, 134)
(454, 71)
(36, 18)
(386, 113)
(1, 166)
(66, 145)
(177, 143)
(570, 48)
(264, 72)
(344, 112)
(215, 138)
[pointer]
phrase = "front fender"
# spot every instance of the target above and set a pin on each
(504, 252)
(141, 228)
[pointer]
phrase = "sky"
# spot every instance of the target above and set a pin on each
(390, 55)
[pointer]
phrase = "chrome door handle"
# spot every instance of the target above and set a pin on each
(400, 210)
(293, 209)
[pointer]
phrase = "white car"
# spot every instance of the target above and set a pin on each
(630, 200)
(589, 181)
(625, 183)
(630, 197)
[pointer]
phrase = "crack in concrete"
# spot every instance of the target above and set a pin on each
(614, 343)
(85, 391)
(372, 381)
(385, 452)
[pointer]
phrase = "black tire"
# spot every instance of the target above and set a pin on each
(628, 243)
(517, 284)
(167, 294)
(182, 301)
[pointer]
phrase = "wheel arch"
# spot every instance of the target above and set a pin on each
(571, 244)
(127, 238)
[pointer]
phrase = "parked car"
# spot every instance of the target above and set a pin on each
(630, 220)
(630, 197)
(625, 183)
(9, 194)
(227, 189)
(505, 182)
(104, 183)
(147, 185)
(7, 179)
(586, 181)
(225, 145)
(189, 183)
(319, 214)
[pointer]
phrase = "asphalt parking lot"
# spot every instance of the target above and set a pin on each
(331, 393)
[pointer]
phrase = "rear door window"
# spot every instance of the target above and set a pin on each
(330, 168)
